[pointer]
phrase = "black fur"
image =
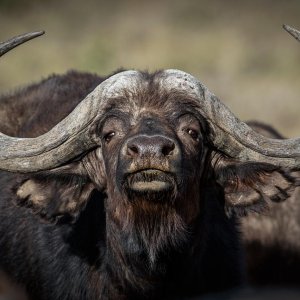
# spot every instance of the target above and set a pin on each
(86, 240)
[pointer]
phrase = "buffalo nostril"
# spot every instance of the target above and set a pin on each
(168, 149)
(142, 146)
(132, 150)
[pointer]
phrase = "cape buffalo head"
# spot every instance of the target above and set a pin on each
(153, 144)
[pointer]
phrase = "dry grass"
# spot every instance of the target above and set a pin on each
(237, 48)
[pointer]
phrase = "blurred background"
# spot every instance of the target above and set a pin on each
(238, 49)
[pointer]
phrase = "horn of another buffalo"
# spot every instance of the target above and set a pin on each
(292, 31)
(18, 40)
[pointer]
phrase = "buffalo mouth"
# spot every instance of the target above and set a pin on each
(150, 181)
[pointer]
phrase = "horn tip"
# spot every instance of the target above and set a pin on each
(285, 26)
(40, 32)
(292, 31)
(36, 33)
(18, 40)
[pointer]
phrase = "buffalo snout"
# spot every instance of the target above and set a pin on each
(154, 146)
(150, 163)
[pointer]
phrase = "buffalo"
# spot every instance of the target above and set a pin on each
(130, 186)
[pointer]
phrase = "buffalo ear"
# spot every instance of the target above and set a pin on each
(251, 186)
(55, 196)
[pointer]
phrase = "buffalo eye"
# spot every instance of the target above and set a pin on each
(193, 133)
(189, 129)
(109, 136)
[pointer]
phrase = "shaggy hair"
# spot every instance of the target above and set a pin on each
(81, 231)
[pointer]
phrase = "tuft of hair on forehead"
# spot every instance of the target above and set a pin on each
(150, 93)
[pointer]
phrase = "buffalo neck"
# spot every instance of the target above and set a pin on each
(141, 268)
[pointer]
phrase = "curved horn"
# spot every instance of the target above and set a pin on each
(18, 40)
(72, 136)
(229, 134)
(68, 139)
(232, 136)
(292, 31)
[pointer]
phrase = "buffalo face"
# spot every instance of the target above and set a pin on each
(145, 156)
(152, 154)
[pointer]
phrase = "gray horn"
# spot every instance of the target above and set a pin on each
(230, 135)
(68, 138)
(18, 40)
(72, 136)
(235, 138)
(243, 143)
(292, 31)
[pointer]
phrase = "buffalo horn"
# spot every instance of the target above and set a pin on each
(73, 135)
(18, 40)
